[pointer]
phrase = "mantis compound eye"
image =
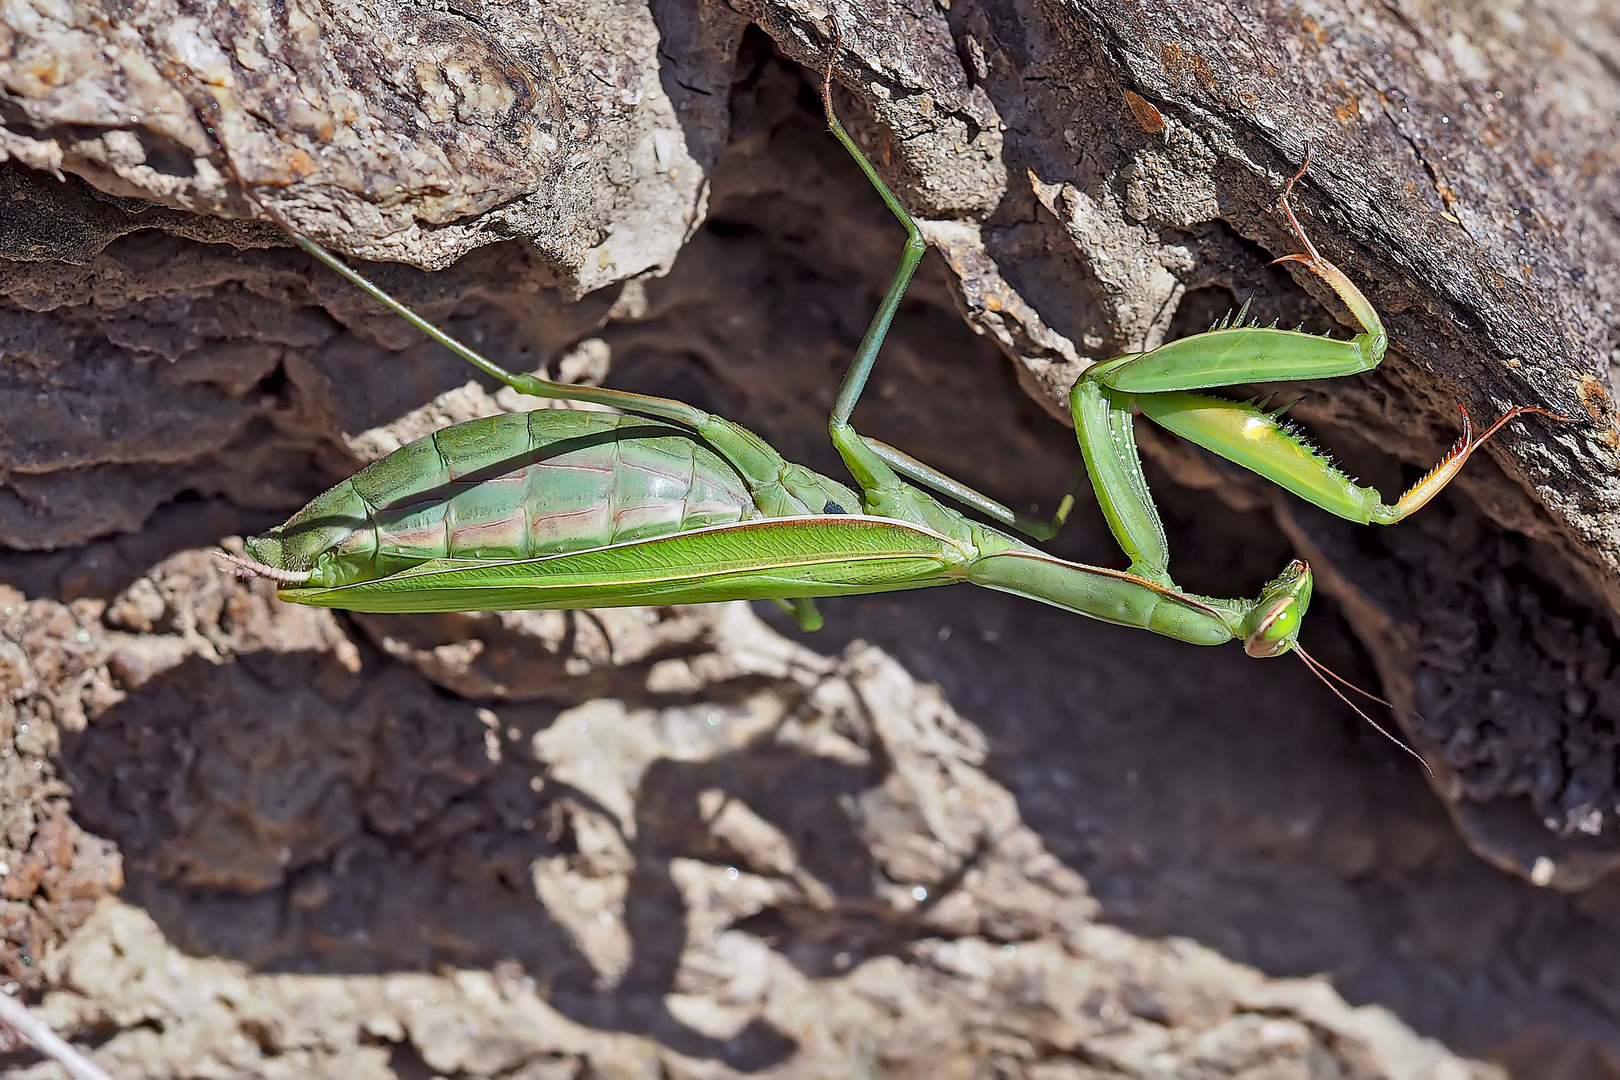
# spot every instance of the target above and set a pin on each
(1278, 626)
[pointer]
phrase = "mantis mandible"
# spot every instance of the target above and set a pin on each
(664, 503)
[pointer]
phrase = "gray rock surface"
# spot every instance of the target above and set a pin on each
(953, 834)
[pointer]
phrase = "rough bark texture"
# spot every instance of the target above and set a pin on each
(955, 834)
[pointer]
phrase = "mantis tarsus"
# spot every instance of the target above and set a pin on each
(665, 503)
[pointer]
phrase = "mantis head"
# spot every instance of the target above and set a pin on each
(1272, 627)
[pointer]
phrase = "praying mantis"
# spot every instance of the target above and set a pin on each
(663, 503)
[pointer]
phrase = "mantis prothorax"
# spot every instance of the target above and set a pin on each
(665, 503)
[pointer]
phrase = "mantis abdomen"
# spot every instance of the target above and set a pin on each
(514, 486)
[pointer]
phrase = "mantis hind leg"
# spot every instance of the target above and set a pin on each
(777, 489)
(761, 467)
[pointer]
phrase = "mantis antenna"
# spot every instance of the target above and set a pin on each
(1323, 672)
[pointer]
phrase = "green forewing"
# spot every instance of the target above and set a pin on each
(782, 558)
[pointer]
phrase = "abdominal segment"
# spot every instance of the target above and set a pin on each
(525, 485)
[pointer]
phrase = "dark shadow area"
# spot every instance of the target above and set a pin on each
(286, 812)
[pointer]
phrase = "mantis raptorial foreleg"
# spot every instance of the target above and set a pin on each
(1156, 384)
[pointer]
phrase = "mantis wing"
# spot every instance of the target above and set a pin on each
(776, 558)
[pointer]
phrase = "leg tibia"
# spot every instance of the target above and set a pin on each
(928, 476)
(1438, 477)
(1247, 435)
(804, 613)
(1360, 307)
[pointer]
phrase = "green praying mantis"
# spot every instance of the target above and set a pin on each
(664, 503)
